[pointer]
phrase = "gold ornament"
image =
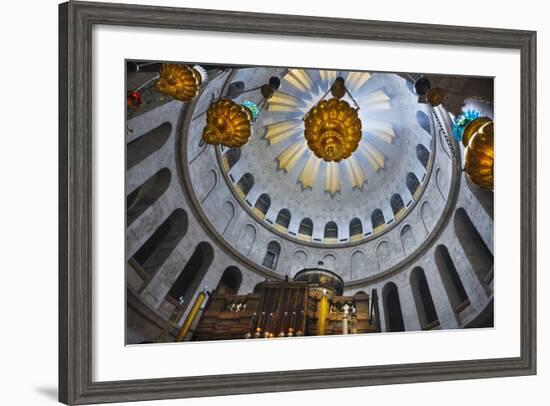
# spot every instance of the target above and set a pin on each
(338, 88)
(227, 123)
(332, 129)
(267, 91)
(179, 81)
(479, 156)
(435, 96)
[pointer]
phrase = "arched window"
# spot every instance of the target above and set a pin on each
(408, 239)
(190, 278)
(358, 263)
(328, 262)
(247, 236)
(209, 182)
(481, 259)
(272, 255)
(423, 120)
(412, 183)
(355, 229)
(226, 215)
(245, 183)
(283, 218)
(451, 281)
(384, 255)
(140, 148)
(230, 281)
(162, 242)
(299, 261)
(306, 227)
(361, 301)
(235, 89)
(231, 157)
(392, 308)
(422, 154)
(331, 231)
(423, 301)
(397, 205)
(144, 196)
(262, 205)
(378, 220)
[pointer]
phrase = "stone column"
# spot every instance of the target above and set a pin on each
(475, 291)
(408, 308)
(445, 312)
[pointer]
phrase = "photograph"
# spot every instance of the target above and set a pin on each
(269, 202)
(275, 203)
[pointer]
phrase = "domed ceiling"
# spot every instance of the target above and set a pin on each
(286, 186)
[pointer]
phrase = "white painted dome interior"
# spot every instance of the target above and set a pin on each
(292, 190)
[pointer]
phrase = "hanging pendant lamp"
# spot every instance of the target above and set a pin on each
(332, 127)
(229, 123)
(182, 82)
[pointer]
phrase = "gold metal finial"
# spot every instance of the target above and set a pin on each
(227, 123)
(179, 81)
(338, 88)
(435, 96)
(332, 129)
(479, 156)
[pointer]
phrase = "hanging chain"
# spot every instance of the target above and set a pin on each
(449, 142)
(351, 97)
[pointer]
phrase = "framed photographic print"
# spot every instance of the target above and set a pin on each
(259, 202)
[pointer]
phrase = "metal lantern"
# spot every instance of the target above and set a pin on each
(229, 123)
(270, 87)
(338, 88)
(332, 129)
(182, 82)
(435, 96)
(422, 86)
(479, 155)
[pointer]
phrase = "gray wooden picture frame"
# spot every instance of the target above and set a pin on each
(76, 20)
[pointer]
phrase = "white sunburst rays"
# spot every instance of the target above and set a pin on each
(300, 90)
(298, 94)
(377, 127)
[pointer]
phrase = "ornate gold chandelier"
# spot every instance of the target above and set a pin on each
(479, 156)
(182, 82)
(229, 123)
(332, 127)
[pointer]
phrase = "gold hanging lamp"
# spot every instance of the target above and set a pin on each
(435, 96)
(269, 88)
(332, 127)
(229, 123)
(182, 82)
(479, 156)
